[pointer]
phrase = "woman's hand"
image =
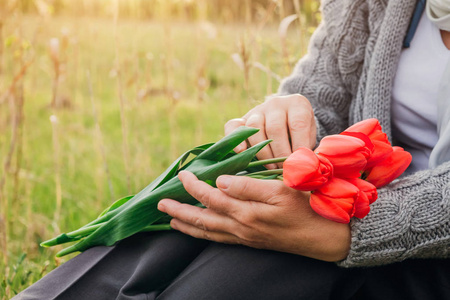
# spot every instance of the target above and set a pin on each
(287, 120)
(262, 214)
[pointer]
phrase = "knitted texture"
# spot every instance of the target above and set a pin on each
(347, 76)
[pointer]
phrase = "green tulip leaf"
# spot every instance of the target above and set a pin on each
(143, 210)
(116, 204)
(223, 147)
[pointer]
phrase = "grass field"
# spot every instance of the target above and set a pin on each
(92, 110)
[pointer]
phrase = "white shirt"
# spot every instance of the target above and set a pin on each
(415, 89)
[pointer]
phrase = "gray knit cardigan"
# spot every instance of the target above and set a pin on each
(347, 75)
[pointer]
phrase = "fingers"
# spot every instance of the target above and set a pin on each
(199, 233)
(246, 188)
(287, 120)
(231, 126)
(201, 218)
(277, 130)
(210, 197)
(257, 120)
(301, 124)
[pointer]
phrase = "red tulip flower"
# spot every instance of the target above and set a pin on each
(347, 154)
(305, 171)
(345, 170)
(371, 128)
(381, 145)
(390, 168)
(335, 200)
(368, 194)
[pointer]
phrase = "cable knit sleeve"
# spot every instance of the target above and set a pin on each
(328, 75)
(410, 219)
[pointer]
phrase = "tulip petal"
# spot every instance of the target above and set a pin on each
(371, 128)
(337, 144)
(365, 187)
(367, 126)
(362, 137)
(362, 207)
(335, 199)
(303, 170)
(347, 154)
(339, 188)
(329, 209)
(381, 151)
(390, 168)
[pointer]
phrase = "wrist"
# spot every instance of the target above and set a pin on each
(328, 240)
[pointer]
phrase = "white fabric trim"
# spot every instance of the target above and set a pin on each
(439, 13)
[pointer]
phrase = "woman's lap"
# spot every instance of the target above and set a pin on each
(170, 265)
(238, 272)
(129, 270)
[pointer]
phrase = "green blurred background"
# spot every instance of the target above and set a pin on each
(98, 97)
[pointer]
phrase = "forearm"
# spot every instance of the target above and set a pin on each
(411, 219)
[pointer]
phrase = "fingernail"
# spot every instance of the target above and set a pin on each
(161, 206)
(173, 224)
(181, 174)
(223, 182)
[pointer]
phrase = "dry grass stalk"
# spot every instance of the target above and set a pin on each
(6, 9)
(23, 70)
(54, 55)
(267, 16)
(242, 58)
(123, 121)
(174, 98)
(1, 46)
(3, 239)
(30, 230)
(282, 12)
(173, 95)
(99, 137)
(248, 12)
(167, 62)
(245, 53)
(301, 26)
(54, 50)
(203, 29)
(57, 174)
(16, 108)
(146, 90)
(19, 96)
(282, 32)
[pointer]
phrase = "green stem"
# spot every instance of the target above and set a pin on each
(158, 227)
(266, 172)
(266, 162)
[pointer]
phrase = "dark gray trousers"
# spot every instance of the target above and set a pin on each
(170, 265)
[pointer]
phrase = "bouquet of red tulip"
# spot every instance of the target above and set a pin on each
(345, 170)
(342, 174)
